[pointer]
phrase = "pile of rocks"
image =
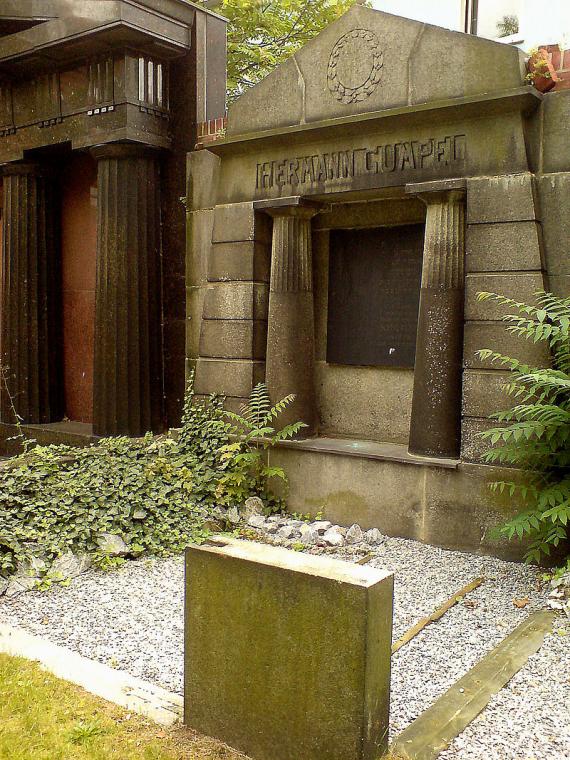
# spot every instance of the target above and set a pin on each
(289, 530)
(559, 596)
(35, 571)
(39, 572)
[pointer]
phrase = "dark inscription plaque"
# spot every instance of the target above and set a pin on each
(374, 295)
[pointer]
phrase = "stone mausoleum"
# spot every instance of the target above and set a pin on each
(338, 234)
(100, 101)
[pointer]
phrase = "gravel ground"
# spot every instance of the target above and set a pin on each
(133, 619)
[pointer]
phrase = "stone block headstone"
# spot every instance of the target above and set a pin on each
(287, 655)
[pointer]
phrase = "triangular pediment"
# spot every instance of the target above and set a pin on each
(372, 61)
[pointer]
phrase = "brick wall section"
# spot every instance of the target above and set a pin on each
(560, 60)
(210, 131)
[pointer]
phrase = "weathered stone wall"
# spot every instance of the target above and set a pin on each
(518, 242)
(496, 152)
(550, 143)
(227, 289)
(444, 506)
(503, 255)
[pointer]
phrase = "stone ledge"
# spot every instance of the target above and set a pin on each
(523, 99)
(115, 686)
(388, 452)
(67, 433)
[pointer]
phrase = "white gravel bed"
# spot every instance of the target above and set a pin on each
(425, 577)
(133, 619)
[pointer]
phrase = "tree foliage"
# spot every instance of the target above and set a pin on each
(264, 33)
(534, 435)
(508, 25)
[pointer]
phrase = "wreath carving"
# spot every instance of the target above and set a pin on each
(343, 92)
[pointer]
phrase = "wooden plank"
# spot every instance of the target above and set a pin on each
(366, 559)
(435, 729)
(424, 622)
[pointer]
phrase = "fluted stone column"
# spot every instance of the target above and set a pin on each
(31, 303)
(436, 408)
(290, 361)
(128, 395)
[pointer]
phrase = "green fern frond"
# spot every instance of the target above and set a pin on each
(535, 433)
(258, 406)
(290, 431)
(486, 354)
(280, 406)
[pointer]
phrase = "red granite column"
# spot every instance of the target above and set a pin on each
(128, 389)
(436, 408)
(31, 304)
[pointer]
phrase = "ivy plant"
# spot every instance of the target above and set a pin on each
(534, 435)
(157, 493)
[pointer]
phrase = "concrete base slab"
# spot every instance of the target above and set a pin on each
(113, 685)
(440, 502)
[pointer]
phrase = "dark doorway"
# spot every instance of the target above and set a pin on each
(374, 294)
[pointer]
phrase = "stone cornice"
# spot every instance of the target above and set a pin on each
(113, 23)
(522, 99)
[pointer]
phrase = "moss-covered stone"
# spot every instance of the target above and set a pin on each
(287, 655)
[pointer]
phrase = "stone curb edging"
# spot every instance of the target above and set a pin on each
(115, 686)
(435, 729)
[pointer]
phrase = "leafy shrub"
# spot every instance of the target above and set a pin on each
(535, 434)
(155, 492)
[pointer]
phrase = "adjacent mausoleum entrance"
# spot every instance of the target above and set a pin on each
(338, 235)
(99, 104)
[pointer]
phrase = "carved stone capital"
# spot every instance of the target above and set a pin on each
(444, 250)
(291, 259)
(27, 169)
(294, 206)
(296, 212)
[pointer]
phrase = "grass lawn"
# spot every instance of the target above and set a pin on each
(43, 718)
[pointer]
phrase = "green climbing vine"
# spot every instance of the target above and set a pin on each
(157, 493)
